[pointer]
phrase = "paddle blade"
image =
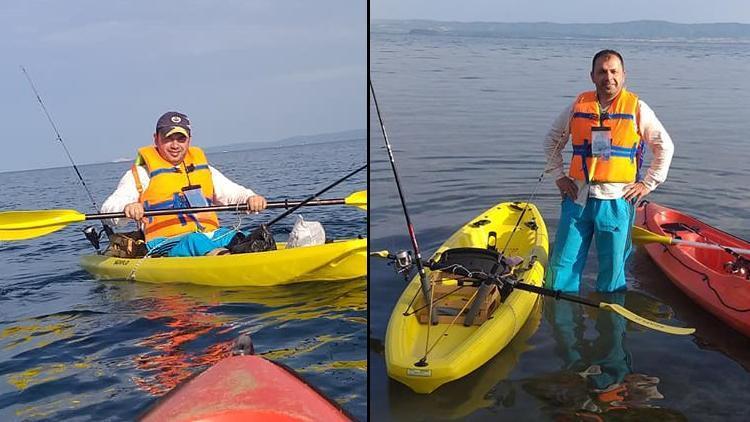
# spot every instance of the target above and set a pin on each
(641, 236)
(19, 225)
(357, 199)
(645, 322)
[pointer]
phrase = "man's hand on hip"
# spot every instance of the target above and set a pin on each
(636, 191)
(567, 187)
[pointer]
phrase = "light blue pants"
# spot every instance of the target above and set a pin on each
(609, 222)
(191, 244)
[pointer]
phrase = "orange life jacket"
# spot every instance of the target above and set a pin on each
(164, 191)
(627, 149)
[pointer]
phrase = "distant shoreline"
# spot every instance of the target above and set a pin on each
(323, 138)
(635, 30)
(357, 135)
(271, 145)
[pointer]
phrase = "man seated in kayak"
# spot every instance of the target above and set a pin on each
(608, 128)
(173, 174)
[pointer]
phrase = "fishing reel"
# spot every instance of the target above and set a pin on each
(403, 262)
(93, 236)
(740, 267)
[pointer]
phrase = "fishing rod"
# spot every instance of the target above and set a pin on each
(315, 195)
(91, 235)
(538, 183)
(426, 287)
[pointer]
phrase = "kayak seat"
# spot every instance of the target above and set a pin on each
(674, 229)
(473, 259)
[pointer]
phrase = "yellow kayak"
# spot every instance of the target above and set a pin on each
(425, 356)
(459, 399)
(336, 261)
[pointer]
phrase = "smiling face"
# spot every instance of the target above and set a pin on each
(608, 76)
(172, 148)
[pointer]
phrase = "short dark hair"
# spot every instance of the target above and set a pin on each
(606, 53)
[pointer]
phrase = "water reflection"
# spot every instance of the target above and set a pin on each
(168, 361)
(155, 336)
(189, 314)
(710, 332)
(597, 379)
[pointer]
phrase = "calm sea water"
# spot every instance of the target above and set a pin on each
(467, 117)
(73, 348)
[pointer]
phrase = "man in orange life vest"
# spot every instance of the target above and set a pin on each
(608, 128)
(173, 174)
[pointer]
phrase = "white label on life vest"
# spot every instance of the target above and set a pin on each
(194, 197)
(601, 142)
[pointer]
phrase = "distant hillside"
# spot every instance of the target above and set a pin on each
(650, 30)
(357, 135)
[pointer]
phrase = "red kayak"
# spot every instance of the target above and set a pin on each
(245, 388)
(717, 278)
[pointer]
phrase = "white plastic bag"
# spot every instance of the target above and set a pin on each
(306, 233)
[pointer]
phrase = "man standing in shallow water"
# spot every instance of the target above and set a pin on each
(173, 174)
(608, 128)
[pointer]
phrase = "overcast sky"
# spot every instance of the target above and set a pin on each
(578, 11)
(258, 70)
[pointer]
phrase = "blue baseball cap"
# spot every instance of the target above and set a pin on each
(173, 122)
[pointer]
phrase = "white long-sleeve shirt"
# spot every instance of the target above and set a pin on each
(225, 192)
(652, 133)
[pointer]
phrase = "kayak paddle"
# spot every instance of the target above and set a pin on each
(612, 307)
(19, 225)
(641, 236)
